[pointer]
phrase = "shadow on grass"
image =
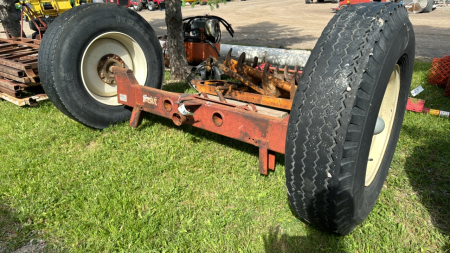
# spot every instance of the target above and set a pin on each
(276, 240)
(428, 171)
(323, 240)
(198, 134)
(315, 241)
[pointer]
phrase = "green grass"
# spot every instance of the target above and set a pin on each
(161, 188)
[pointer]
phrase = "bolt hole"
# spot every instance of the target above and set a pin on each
(217, 119)
(178, 119)
(167, 105)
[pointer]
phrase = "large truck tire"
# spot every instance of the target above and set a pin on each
(86, 37)
(138, 7)
(151, 6)
(337, 155)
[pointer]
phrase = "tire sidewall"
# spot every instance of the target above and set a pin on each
(400, 52)
(151, 6)
(77, 35)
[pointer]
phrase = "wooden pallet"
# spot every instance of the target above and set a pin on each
(19, 75)
(29, 100)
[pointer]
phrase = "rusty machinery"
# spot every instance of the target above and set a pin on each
(19, 75)
(218, 105)
(337, 124)
(251, 84)
(202, 35)
(20, 85)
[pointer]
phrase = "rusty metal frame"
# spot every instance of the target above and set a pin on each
(21, 41)
(251, 84)
(217, 87)
(27, 10)
(19, 71)
(237, 122)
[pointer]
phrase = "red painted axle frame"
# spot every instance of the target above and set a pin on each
(237, 122)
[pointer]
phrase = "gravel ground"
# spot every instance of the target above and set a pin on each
(295, 24)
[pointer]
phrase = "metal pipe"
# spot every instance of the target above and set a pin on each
(274, 56)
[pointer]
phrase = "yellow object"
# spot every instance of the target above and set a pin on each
(434, 112)
(52, 8)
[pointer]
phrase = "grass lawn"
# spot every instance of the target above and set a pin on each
(161, 188)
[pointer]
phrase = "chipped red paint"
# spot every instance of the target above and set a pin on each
(266, 132)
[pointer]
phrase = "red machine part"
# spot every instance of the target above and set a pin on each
(198, 52)
(345, 3)
(120, 2)
(237, 122)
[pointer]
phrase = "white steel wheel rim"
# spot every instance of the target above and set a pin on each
(121, 45)
(387, 113)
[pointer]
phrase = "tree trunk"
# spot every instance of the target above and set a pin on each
(10, 17)
(175, 40)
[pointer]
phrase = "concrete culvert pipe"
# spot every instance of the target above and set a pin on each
(275, 56)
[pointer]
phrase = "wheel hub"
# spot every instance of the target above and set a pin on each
(104, 67)
(379, 126)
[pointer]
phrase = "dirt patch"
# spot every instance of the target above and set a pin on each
(34, 246)
(16, 237)
(295, 24)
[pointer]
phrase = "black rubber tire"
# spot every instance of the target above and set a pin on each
(334, 112)
(151, 6)
(139, 7)
(320, 1)
(62, 48)
(308, 1)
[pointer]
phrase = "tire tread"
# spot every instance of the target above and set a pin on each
(321, 147)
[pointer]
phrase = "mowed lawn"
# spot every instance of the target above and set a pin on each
(162, 188)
